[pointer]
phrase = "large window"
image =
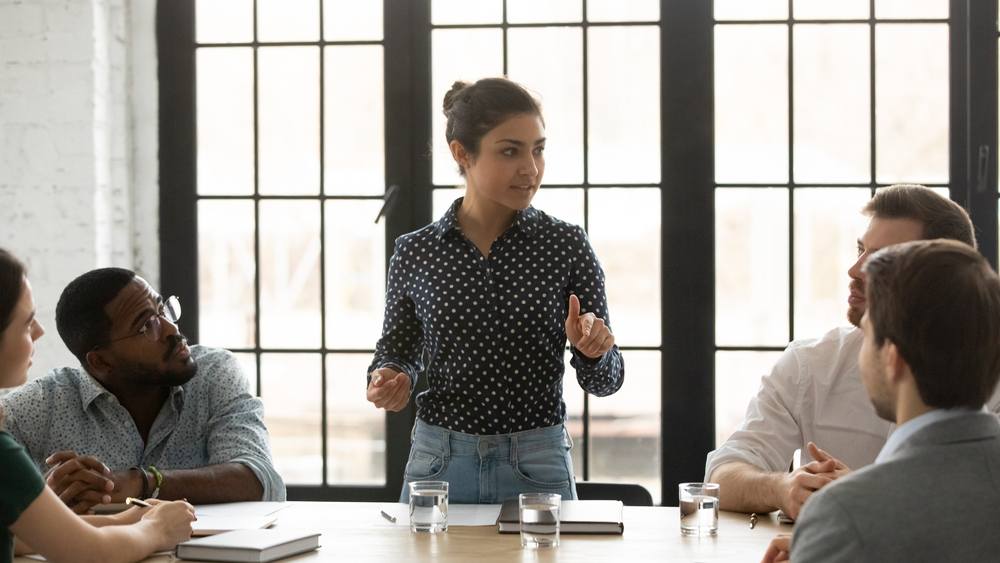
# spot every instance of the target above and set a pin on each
(717, 154)
(817, 104)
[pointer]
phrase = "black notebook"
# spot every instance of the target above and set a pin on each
(575, 517)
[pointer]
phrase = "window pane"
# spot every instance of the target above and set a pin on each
(625, 427)
(625, 234)
(559, 88)
(902, 9)
(225, 121)
(911, 89)
(289, 274)
(751, 266)
(565, 204)
(443, 198)
(355, 274)
(544, 11)
(828, 223)
(751, 103)
(350, 20)
(458, 54)
(825, 9)
(756, 10)
(449, 12)
(832, 104)
(624, 104)
(618, 11)
(287, 20)
(355, 429)
(291, 389)
(223, 21)
(354, 134)
(226, 271)
(289, 120)
(737, 379)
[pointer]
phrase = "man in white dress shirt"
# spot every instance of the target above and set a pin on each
(814, 392)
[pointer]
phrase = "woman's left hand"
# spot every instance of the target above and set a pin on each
(587, 333)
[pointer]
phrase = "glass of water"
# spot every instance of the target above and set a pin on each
(699, 508)
(540, 519)
(429, 506)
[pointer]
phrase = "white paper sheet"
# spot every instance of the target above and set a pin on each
(242, 509)
(458, 515)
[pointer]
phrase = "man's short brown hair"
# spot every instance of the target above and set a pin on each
(941, 217)
(938, 301)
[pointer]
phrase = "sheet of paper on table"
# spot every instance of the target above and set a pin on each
(241, 509)
(458, 515)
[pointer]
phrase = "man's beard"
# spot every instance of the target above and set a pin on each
(151, 375)
(853, 314)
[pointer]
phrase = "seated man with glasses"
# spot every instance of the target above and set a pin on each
(145, 416)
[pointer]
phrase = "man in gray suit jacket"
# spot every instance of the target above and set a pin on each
(929, 360)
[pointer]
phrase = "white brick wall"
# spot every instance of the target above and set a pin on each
(78, 170)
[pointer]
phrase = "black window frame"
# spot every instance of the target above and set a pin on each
(687, 188)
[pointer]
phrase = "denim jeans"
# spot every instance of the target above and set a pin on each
(491, 469)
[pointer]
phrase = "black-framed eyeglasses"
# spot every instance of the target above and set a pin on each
(152, 329)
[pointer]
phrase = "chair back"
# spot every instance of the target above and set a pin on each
(629, 494)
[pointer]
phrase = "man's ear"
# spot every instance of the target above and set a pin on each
(97, 363)
(461, 156)
(893, 362)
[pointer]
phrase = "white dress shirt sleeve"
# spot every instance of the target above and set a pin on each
(771, 432)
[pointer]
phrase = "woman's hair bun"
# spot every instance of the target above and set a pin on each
(449, 98)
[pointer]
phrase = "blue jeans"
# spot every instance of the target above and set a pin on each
(491, 469)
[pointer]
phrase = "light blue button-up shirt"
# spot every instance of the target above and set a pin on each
(211, 419)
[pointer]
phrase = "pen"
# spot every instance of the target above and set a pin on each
(137, 502)
(753, 520)
(387, 517)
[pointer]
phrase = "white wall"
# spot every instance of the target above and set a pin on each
(78, 145)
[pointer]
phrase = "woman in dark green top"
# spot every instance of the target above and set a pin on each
(31, 511)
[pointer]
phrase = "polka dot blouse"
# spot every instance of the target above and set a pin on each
(491, 331)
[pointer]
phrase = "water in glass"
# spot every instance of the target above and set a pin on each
(699, 515)
(428, 510)
(539, 525)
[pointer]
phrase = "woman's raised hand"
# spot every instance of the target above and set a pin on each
(587, 333)
(389, 389)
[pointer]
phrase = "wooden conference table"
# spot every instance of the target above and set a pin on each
(355, 531)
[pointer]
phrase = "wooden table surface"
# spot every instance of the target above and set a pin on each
(355, 531)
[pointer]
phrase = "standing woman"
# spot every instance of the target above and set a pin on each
(29, 509)
(488, 296)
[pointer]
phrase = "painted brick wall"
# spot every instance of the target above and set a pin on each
(68, 161)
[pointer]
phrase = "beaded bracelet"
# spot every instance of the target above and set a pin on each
(159, 481)
(145, 481)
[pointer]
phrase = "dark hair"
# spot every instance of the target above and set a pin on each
(80, 317)
(473, 110)
(941, 217)
(12, 274)
(938, 301)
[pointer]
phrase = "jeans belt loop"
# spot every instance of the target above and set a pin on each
(513, 450)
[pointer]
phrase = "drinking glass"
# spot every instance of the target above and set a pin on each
(429, 506)
(699, 508)
(539, 515)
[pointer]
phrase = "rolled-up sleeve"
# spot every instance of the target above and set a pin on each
(401, 344)
(770, 433)
(587, 283)
(236, 427)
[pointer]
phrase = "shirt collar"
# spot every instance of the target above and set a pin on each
(91, 390)
(525, 221)
(917, 424)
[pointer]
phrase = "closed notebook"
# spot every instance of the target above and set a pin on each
(249, 545)
(575, 517)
